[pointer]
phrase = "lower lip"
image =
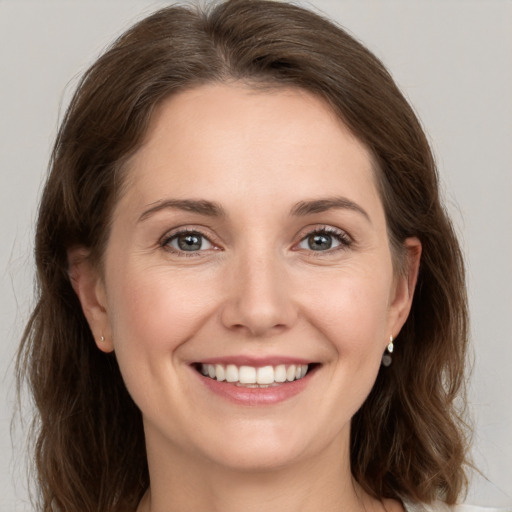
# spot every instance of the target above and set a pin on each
(255, 396)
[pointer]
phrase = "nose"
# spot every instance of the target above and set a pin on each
(259, 299)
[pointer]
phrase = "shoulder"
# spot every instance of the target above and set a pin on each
(439, 506)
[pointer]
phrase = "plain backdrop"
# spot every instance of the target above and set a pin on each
(452, 59)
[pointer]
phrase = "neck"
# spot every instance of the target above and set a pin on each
(181, 482)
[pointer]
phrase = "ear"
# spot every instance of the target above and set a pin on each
(405, 284)
(89, 287)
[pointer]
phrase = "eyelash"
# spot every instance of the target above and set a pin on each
(345, 241)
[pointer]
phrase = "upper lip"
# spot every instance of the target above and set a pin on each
(254, 361)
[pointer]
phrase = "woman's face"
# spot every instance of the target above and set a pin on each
(250, 242)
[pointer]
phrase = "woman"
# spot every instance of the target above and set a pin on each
(249, 293)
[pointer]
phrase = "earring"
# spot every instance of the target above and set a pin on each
(102, 339)
(386, 358)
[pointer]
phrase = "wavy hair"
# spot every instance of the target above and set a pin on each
(408, 439)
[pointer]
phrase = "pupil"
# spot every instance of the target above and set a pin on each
(189, 242)
(319, 242)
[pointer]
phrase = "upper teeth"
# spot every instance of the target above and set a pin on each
(251, 375)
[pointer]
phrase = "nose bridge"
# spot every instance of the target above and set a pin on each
(259, 299)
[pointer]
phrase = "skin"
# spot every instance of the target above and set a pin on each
(255, 288)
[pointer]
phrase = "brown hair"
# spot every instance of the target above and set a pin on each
(408, 439)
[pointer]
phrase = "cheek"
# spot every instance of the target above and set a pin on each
(157, 307)
(152, 312)
(358, 330)
(352, 311)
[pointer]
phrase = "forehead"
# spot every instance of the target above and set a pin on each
(246, 139)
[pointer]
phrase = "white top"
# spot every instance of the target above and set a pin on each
(443, 507)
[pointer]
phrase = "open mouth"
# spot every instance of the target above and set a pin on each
(255, 377)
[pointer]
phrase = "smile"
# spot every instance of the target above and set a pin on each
(250, 376)
(250, 381)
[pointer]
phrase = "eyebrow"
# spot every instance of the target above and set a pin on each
(200, 206)
(322, 205)
(212, 209)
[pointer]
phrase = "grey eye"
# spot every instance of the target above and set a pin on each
(189, 242)
(318, 242)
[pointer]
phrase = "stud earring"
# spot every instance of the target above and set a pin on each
(102, 339)
(386, 358)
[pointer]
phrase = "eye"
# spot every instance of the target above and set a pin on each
(325, 239)
(187, 241)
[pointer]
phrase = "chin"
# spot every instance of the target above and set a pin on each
(265, 447)
(256, 457)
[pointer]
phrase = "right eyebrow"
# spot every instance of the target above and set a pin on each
(200, 206)
(324, 204)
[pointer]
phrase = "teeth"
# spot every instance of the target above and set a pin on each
(247, 375)
(280, 373)
(250, 376)
(220, 373)
(265, 375)
(231, 372)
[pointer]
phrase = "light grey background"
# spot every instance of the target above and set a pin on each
(452, 58)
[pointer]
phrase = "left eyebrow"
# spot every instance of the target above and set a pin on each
(201, 206)
(322, 205)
